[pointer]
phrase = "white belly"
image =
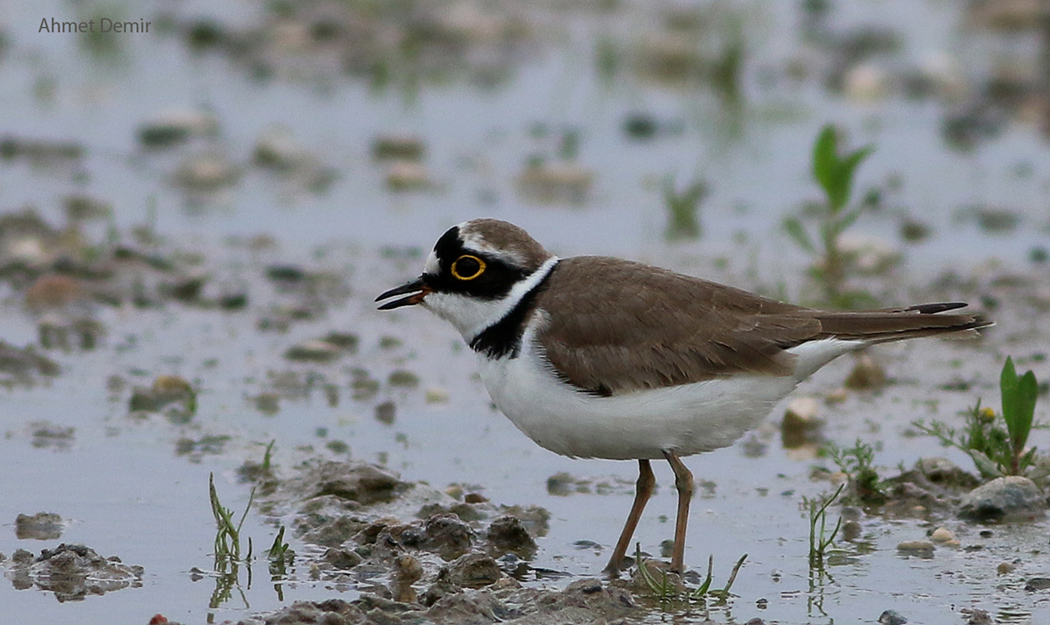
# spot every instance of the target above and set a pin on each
(686, 419)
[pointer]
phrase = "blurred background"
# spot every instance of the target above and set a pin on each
(190, 196)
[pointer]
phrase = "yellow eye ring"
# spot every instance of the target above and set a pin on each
(472, 272)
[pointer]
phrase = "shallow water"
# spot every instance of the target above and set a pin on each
(127, 492)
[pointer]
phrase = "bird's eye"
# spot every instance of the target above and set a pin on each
(468, 267)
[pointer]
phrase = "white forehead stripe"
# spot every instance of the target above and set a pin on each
(432, 266)
(475, 242)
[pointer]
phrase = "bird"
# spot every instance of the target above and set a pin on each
(601, 357)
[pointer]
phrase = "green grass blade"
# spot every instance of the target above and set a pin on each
(732, 575)
(1024, 411)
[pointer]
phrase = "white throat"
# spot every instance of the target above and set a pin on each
(471, 316)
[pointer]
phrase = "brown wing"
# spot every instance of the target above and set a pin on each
(642, 327)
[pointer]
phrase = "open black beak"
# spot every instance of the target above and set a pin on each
(417, 289)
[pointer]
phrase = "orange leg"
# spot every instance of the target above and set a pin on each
(643, 491)
(683, 481)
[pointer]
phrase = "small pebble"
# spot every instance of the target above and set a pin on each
(639, 125)
(866, 82)
(408, 569)
(408, 176)
(172, 387)
(891, 617)
(436, 396)
(207, 172)
(851, 530)
(913, 231)
(337, 447)
(800, 426)
(666, 548)
(404, 378)
(342, 558)
(943, 535)
(268, 403)
(921, 548)
(866, 374)
(836, 396)
(234, 299)
(1005, 567)
(343, 340)
(54, 291)
(385, 412)
(556, 181)
(277, 149)
(176, 126)
(313, 351)
(389, 342)
(801, 413)
(285, 273)
(40, 526)
(977, 616)
(398, 146)
(1037, 583)
(364, 387)
(991, 219)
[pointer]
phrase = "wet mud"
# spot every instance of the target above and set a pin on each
(71, 572)
(418, 554)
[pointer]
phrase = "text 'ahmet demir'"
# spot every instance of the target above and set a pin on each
(101, 25)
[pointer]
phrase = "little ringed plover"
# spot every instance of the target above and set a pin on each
(597, 357)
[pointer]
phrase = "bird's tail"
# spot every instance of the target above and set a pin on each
(895, 324)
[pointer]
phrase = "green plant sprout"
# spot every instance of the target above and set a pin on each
(267, 466)
(1018, 402)
(666, 590)
(996, 450)
(228, 534)
(722, 594)
(835, 174)
(279, 554)
(819, 539)
(683, 209)
(228, 550)
(856, 462)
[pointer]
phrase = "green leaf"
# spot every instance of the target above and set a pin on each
(1027, 460)
(793, 226)
(825, 159)
(984, 465)
(1008, 390)
(1018, 396)
(846, 169)
(1024, 404)
(835, 174)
